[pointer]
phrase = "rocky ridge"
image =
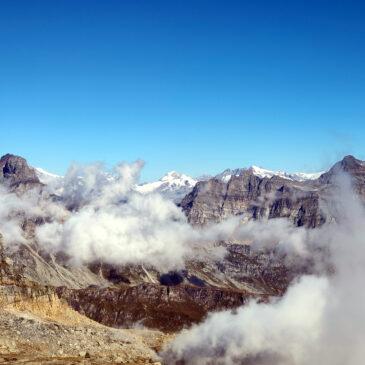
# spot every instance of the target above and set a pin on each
(15, 173)
(251, 196)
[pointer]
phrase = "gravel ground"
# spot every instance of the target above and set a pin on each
(28, 337)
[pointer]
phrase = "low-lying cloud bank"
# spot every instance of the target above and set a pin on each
(15, 209)
(112, 222)
(320, 320)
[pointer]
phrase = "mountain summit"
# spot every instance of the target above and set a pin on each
(173, 186)
(15, 171)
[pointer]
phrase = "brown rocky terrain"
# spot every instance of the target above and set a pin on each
(41, 329)
(37, 327)
(168, 308)
(54, 312)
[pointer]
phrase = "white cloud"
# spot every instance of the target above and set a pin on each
(320, 320)
(114, 223)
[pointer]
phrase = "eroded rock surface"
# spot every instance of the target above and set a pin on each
(252, 197)
(15, 171)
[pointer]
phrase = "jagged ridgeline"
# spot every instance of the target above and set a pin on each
(277, 196)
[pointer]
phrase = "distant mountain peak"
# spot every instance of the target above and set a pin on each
(178, 178)
(226, 175)
(173, 185)
(15, 171)
(351, 161)
(348, 164)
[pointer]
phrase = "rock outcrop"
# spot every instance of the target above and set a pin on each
(15, 171)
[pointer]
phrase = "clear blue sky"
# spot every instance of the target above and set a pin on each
(190, 85)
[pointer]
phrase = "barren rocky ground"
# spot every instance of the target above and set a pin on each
(47, 331)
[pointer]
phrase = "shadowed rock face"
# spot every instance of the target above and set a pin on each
(253, 197)
(151, 305)
(15, 171)
(250, 196)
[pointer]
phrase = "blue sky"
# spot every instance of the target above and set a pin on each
(190, 85)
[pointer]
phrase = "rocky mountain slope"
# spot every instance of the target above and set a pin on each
(15, 172)
(258, 196)
(39, 328)
(140, 295)
(253, 197)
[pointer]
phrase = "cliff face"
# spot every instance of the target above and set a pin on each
(252, 197)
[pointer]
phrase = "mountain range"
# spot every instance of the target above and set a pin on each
(129, 295)
(175, 186)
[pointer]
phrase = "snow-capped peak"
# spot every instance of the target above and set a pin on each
(261, 172)
(297, 176)
(176, 179)
(46, 177)
(173, 185)
(303, 176)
